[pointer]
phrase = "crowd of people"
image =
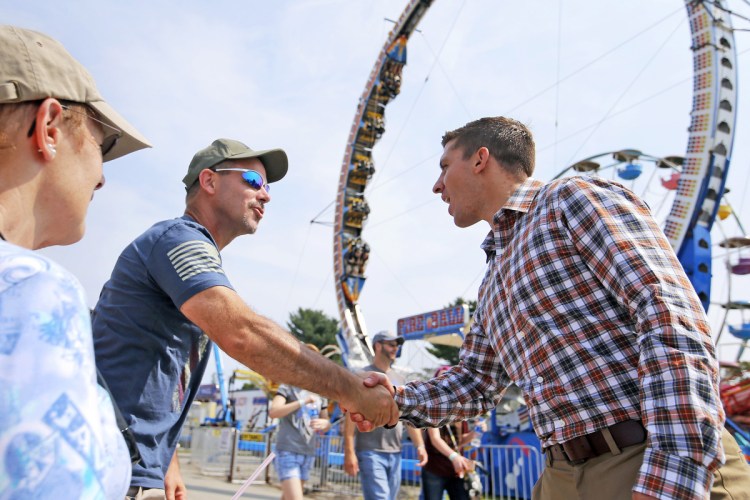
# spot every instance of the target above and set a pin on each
(584, 306)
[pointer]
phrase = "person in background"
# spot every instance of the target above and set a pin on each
(302, 415)
(587, 309)
(58, 435)
(376, 455)
(446, 465)
(168, 298)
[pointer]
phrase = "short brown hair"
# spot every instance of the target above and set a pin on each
(12, 119)
(508, 141)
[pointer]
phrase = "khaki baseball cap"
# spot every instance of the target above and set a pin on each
(274, 160)
(34, 66)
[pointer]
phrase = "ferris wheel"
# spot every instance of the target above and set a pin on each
(688, 187)
(686, 193)
(657, 181)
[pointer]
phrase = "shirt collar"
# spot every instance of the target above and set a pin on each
(519, 202)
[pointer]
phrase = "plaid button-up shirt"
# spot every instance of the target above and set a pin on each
(586, 308)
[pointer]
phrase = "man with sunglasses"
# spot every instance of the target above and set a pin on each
(58, 434)
(168, 298)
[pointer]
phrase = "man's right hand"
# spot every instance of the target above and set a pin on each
(375, 381)
(371, 379)
(373, 405)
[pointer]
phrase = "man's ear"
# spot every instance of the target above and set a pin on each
(207, 180)
(481, 159)
(46, 134)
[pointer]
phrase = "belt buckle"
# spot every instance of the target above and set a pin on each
(559, 448)
(581, 445)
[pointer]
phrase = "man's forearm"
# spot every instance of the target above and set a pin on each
(280, 357)
(265, 347)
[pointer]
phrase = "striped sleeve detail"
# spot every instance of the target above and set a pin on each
(195, 257)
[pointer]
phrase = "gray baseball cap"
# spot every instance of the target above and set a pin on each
(274, 160)
(34, 66)
(386, 336)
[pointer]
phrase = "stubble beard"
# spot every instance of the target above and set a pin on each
(251, 225)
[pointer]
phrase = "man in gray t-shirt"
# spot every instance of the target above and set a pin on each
(376, 455)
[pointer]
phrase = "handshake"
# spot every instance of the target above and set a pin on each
(371, 405)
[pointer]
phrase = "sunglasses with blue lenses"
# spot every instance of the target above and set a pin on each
(250, 176)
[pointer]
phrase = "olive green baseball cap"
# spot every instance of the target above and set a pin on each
(274, 160)
(34, 66)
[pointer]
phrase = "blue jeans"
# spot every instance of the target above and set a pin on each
(289, 465)
(380, 474)
(433, 487)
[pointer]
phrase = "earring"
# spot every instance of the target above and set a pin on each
(52, 149)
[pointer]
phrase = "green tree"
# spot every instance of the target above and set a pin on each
(314, 327)
(446, 352)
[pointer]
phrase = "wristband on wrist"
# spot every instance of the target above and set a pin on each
(453, 456)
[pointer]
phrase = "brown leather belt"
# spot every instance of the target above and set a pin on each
(578, 450)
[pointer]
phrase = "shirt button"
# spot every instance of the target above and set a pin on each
(540, 379)
(521, 334)
(559, 424)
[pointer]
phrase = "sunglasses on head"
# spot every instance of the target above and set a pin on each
(250, 176)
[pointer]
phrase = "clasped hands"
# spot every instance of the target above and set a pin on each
(373, 406)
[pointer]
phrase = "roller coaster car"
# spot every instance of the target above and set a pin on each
(357, 180)
(356, 211)
(375, 107)
(375, 124)
(382, 95)
(360, 171)
(390, 85)
(354, 220)
(366, 139)
(355, 259)
(364, 167)
(390, 79)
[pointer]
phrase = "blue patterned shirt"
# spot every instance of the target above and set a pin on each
(58, 435)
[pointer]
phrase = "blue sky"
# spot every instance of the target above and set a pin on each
(289, 74)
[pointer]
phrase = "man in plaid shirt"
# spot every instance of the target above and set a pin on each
(586, 308)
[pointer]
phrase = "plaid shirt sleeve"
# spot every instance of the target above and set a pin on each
(616, 235)
(471, 388)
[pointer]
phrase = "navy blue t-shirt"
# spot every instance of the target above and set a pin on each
(150, 354)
